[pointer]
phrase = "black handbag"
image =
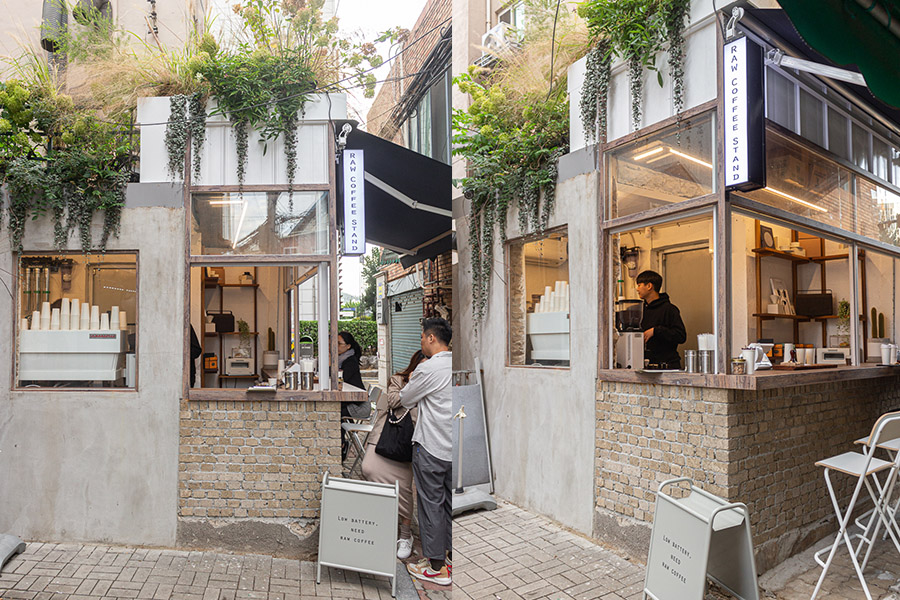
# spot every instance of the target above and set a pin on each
(395, 442)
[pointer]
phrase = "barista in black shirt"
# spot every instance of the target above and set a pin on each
(662, 325)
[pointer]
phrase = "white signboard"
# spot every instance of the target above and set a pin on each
(743, 127)
(354, 203)
(358, 527)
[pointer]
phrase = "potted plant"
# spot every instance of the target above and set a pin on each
(243, 351)
(843, 325)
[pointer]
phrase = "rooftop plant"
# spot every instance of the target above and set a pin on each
(513, 134)
(66, 142)
(634, 31)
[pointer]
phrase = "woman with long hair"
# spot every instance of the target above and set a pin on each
(349, 353)
(379, 469)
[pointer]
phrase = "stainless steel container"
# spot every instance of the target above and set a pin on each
(691, 361)
(306, 381)
(707, 361)
(292, 380)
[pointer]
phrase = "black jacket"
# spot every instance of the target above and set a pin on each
(351, 374)
(668, 331)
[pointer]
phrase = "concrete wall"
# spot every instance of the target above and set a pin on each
(542, 438)
(101, 466)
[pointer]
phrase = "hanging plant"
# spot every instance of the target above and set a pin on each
(241, 137)
(635, 31)
(176, 135)
(595, 92)
(512, 143)
(197, 110)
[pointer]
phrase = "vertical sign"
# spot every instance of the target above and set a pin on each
(354, 203)
(744, 118)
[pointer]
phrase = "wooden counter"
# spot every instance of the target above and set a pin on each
(242, 395)
(761, 380)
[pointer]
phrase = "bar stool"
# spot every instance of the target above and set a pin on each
(863, 521)
(864, 466)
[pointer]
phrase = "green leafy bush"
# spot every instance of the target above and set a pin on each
(365, 332)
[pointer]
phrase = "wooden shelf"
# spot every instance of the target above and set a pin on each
(238, 376)
(780, 254)
(768, 316)
(830, 257)
(213, 333)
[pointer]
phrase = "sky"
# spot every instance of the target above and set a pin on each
(369, 18)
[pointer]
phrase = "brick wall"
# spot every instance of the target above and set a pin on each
(259, 460)
(756, 447)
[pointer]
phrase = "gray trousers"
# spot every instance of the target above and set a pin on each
(435, 502)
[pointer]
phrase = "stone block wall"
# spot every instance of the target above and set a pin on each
(255, 464)
(756, 447)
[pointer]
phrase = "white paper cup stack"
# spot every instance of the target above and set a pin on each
(95, 318)
(75, 315)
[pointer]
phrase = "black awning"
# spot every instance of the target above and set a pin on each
(408, 197)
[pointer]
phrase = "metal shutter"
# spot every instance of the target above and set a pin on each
(406, 328)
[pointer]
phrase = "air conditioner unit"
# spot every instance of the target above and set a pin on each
(497, 39)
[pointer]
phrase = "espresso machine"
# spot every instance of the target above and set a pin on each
(630, 340)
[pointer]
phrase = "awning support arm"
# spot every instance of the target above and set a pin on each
(778, 58)
(406, 199)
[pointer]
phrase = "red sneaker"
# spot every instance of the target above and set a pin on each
(422, 570)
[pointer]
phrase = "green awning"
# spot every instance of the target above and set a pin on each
(849, 33)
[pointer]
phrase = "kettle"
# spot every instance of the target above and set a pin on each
(762, 361)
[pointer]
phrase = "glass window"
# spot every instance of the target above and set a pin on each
(803, 182)
(879, 211)
(812, 122)
(860, 147)
(441, 119)
(539, 300)
(249, 318)
(663, 168)
(780, 106)
(881, 158)
(425, 125)
(781, 281)
(880, 277)
(680, 252)
(256, 223)
(837, 134)
(77, 320)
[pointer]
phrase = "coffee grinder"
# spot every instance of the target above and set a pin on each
(630, 343)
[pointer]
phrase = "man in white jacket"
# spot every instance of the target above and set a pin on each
(429, 389)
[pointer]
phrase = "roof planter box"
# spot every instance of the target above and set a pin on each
(265, 158)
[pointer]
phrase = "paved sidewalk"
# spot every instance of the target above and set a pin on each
(86, 572)
(509, 553)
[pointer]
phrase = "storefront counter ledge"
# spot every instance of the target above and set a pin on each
(752, 439)
(242, 395)
(761, 380)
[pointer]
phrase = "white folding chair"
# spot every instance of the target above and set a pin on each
(355, 429)
(865, 467)
(863, 521)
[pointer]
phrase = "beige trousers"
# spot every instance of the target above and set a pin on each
(384, 470)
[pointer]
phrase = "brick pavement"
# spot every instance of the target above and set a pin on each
(87, 572)
(511, 554)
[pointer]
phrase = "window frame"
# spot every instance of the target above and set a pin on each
(328, 298)
(17, 309)
(527, 239)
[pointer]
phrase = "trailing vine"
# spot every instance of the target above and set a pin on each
(512, 143)
(63, 162)
(635, 31)
(176, 135)
(197, 112)
(241, 136)
(595, 92)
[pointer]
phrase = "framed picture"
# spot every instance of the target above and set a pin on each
(781, 295)
(766, 237)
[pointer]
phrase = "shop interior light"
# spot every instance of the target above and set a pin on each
(795, 199)
(224, 202)
(237, 233)
(690, 158)
(644, 155)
